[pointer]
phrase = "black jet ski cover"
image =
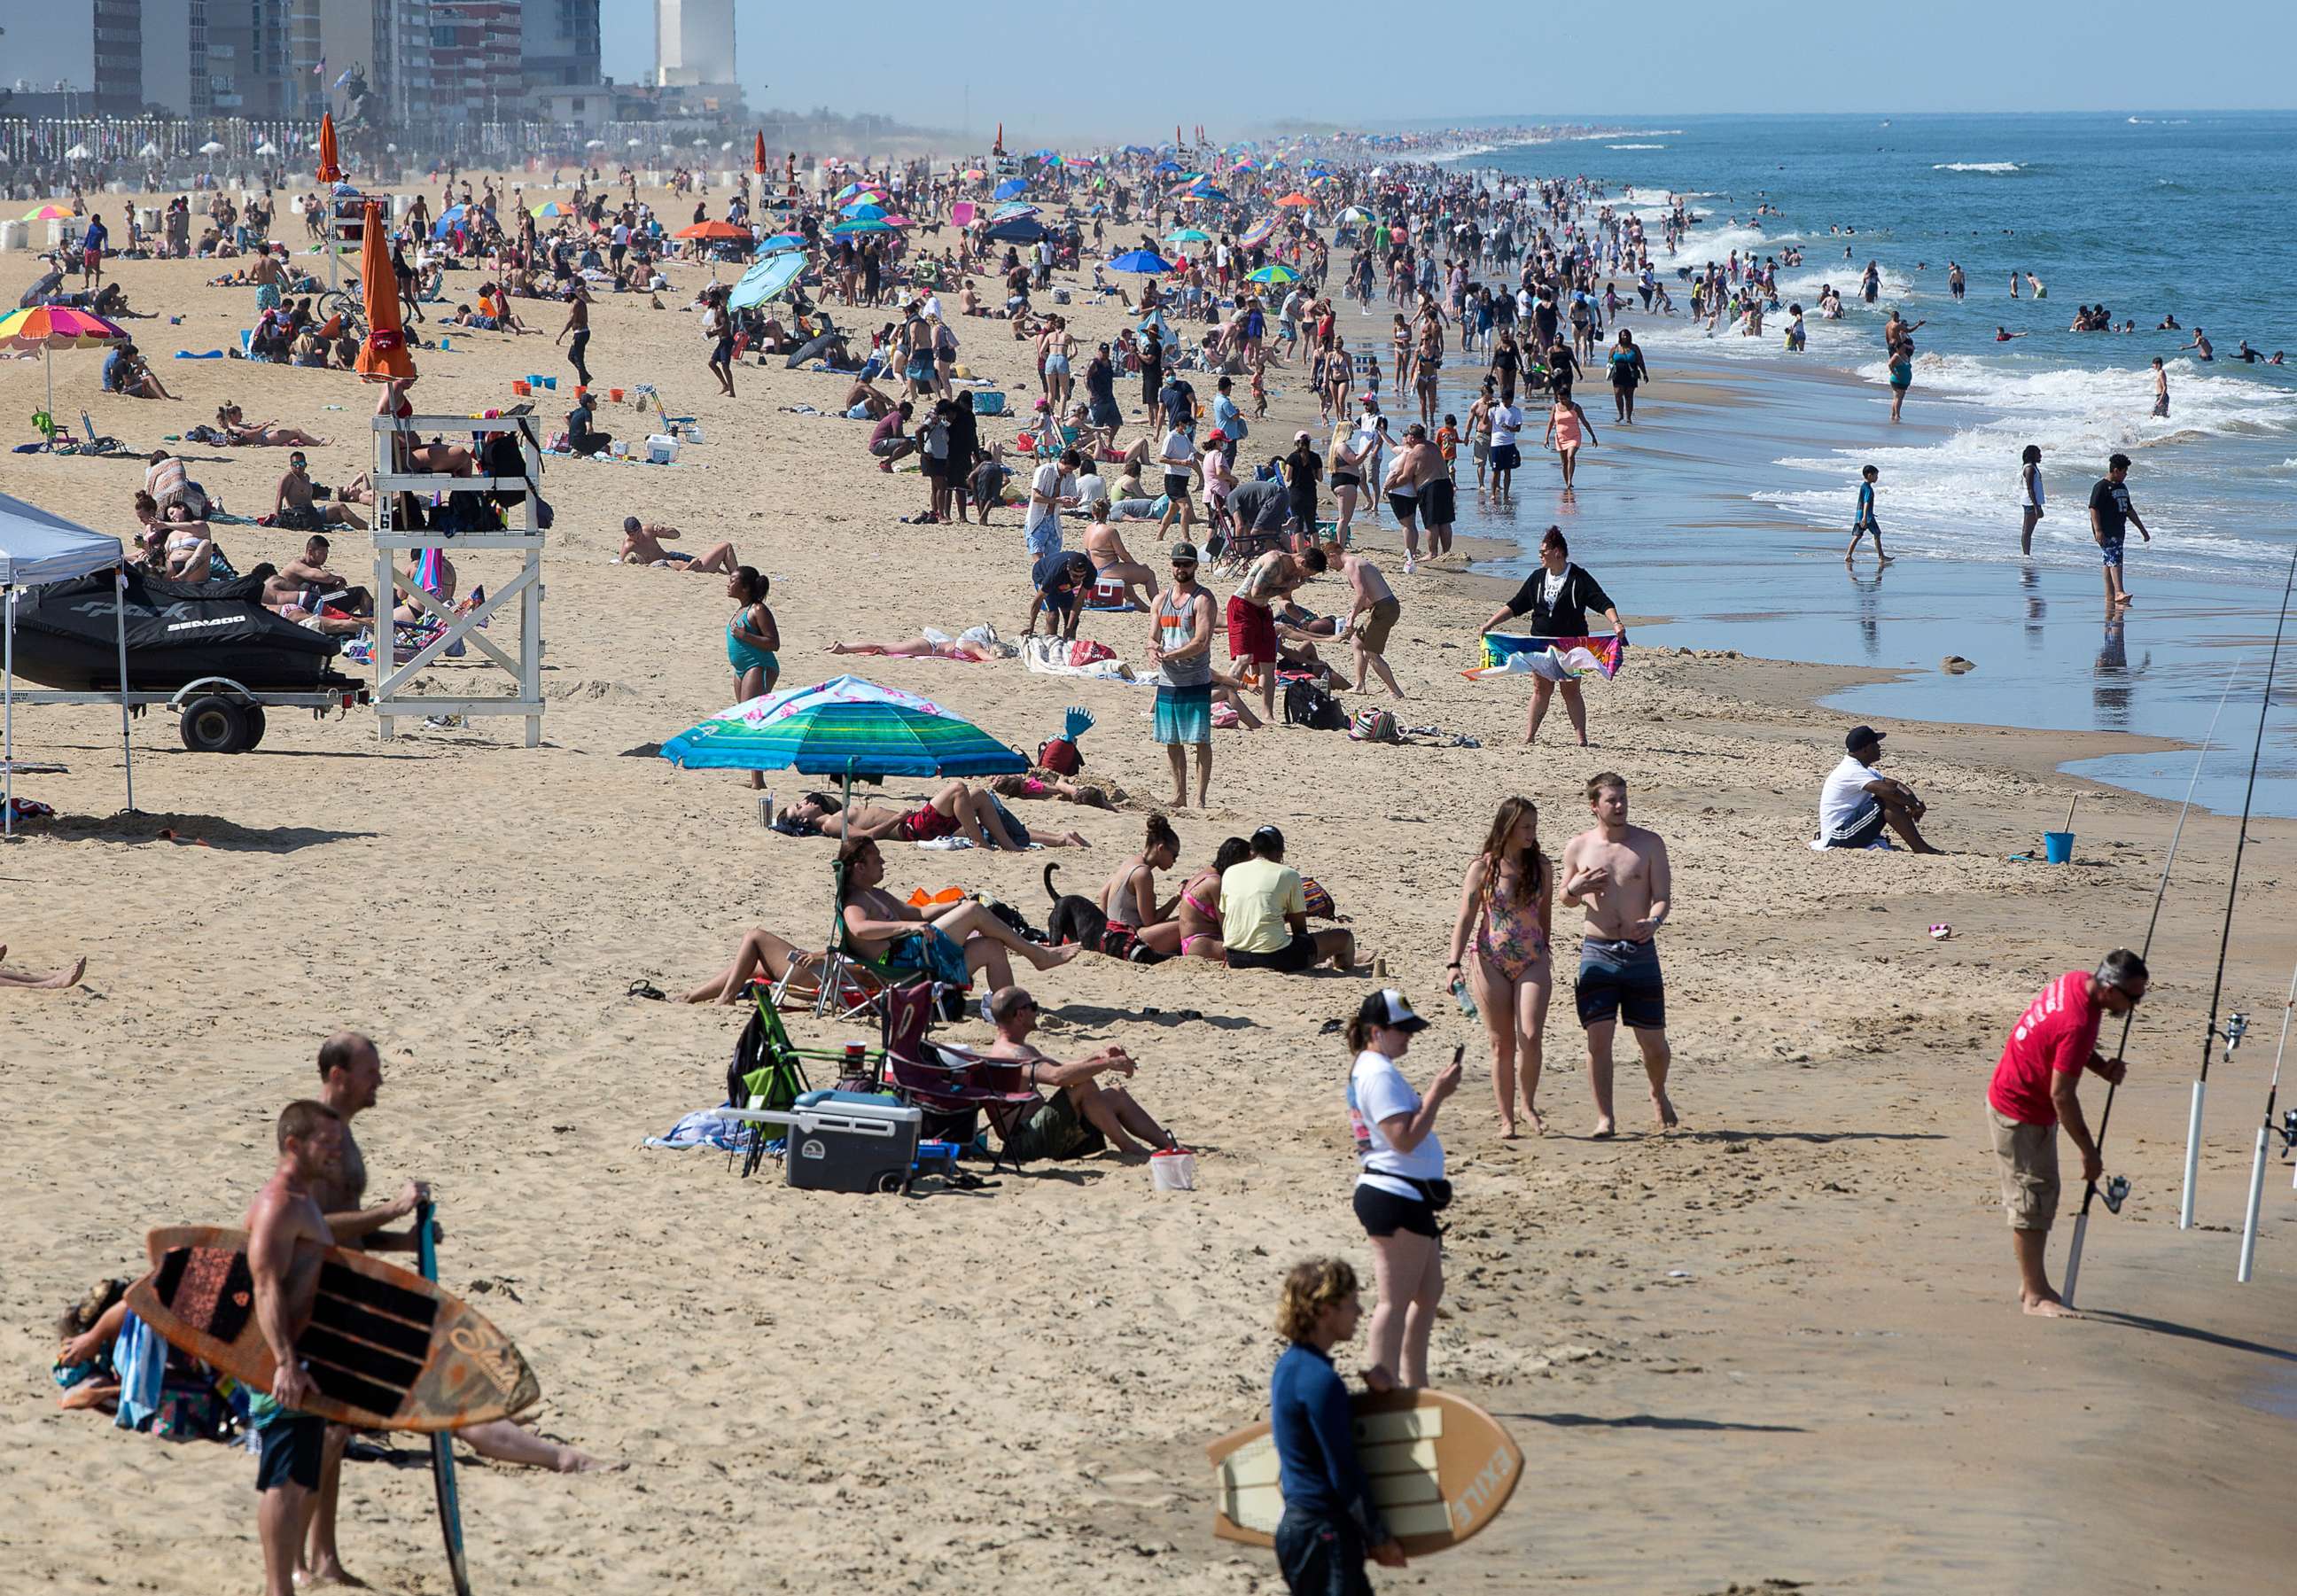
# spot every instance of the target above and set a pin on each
(176, 633)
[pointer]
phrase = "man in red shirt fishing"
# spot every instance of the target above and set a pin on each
(2034, 1090)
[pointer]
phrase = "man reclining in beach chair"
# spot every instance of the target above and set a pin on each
(1083, 1113)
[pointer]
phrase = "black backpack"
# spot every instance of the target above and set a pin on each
(1308, 703)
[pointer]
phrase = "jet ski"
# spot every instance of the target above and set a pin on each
(177, 632)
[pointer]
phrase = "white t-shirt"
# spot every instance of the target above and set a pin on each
(1505, 422)
(1046, 481)
(1844, 795)
(1379, 1091)
(1089, 486)
(1178, 452)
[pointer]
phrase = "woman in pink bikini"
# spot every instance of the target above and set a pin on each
(1508, 905)
(1199, 909)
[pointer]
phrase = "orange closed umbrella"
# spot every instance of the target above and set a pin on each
(758, 160)
(331, 166)
(383, 357)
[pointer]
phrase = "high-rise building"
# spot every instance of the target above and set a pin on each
(560, 43)
(477, 61)
(692, 41)
(247, 58)
(80, 57)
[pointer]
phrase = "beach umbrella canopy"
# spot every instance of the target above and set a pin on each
(1018, 229)
(1187, 235)
(1212, 195)
(211, 148)
(1008, 188)
(863, 211)
(847, 229)
(383, 355)
(1354, 215)
(47, 213)
(149, 150)
(1012, 210)
(267, 148)
(1273, 273)
(1148, 263)
(547, 209)
(714, 229)
(844, 726)
(768, 280)
(446, 220)
(1295, 200)
(331, 165)
(781, 242)
(48, 328)
(758, 155)
(79, 153)
(1258, 233)
(973, 174)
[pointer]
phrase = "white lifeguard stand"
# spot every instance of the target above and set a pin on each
(393, 700)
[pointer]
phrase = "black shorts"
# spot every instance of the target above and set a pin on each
(1177, 485)
(291, 1447)
(1438, 504)
(1382, 1213)
(1406, 504)
(1862, 831)
(1621, 980)
(1294, 957)
(721, 352)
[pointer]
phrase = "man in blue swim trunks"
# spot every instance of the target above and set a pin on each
(2111, 517)
(286, 1233)
(1619, 873)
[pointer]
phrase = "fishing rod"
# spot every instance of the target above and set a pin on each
(2118, 1188)
(2265, 1135)
(2237, 1024)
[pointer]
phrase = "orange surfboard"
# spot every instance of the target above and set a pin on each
(1441, 1468)
(387, 1349)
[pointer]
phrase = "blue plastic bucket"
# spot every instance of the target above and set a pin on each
(2058, 847)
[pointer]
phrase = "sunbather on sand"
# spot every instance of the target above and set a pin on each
(38, 981)
(880, 926)
(971, 646)
(1199, 909)
(1040, 783)
(642, 545)
(1083, 1111)
(869, 401)
(239, 430)
(955, 810)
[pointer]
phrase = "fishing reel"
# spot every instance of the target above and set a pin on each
(2287, 1130)
(2115, 1191)
(2236, 1027)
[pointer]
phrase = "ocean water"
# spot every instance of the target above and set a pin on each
(1731, 519)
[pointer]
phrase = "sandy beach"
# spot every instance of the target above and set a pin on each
(1779, 1349)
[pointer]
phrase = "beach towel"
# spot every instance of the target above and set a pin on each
(1558, 659)
(1058, 657)
(703, 1129)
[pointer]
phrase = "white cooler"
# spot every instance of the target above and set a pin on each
(661, 449)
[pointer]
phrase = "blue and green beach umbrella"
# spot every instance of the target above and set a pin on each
(844, 726)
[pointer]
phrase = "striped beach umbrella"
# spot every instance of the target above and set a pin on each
(1273, 272)
(845, 727)
(47, 213)
(48, 328)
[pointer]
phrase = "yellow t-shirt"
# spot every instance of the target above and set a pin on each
(1255, 898)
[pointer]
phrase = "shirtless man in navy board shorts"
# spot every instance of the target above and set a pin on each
(1619, 873)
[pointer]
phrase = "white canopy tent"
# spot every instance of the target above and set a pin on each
(35, 548)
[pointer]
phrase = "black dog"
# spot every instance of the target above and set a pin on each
(1080, 920)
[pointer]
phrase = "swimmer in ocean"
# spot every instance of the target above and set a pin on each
(2200, 343)
(2248, 355)
(2169, 325)
(2000, 336)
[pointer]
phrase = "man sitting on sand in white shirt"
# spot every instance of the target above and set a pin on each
(1856, 803)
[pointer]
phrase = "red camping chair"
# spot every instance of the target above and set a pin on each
(955, 1087)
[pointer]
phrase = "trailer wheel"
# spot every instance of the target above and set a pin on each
(254, 713)
(214, 724)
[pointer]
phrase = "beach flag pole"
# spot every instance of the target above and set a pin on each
(2265, 1135)
(2161, 890)
(2237, 1024)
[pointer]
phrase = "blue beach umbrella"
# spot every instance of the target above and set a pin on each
(768, 280)
(844, 726)
(781, 242)
(862, 210)
(868, 225)
(1148, 263)
(1008, 188)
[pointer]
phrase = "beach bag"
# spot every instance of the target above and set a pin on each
(1308, 703)
(1374, 726)
(775, 1083)
(1060, 756)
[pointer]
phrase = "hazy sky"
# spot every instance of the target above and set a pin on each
(1490, 61)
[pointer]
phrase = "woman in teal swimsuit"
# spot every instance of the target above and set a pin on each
(751, 638)
(1508, 907)
(1902, 373)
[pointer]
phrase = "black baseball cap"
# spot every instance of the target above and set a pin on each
(1860, 736)
(1386, 1007)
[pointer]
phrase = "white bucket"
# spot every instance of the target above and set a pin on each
(1172, 1170)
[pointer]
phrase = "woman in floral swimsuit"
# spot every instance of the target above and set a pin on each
(1507, 906)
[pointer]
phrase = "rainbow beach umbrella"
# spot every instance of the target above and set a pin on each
(1273, 272)
(844, 727)
(48, 328)
(47, 213)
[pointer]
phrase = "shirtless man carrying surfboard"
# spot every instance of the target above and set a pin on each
(284, 1217)
(1619, 873)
